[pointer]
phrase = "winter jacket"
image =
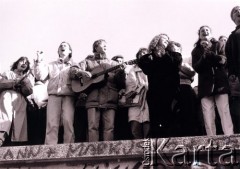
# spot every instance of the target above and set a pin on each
(104, 94)
(58, 74)
(162, 71)
(13, 107)
(137, 80)
(212, 76)
(232, 51)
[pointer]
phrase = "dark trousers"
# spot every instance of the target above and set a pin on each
(122, 126)
(36, 124)
(160, 112)
(80, 124)
(234, 103)
(188, 119)
(140, 130)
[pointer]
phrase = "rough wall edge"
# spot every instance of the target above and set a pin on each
(109, 150)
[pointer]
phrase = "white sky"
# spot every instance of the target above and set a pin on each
(126, 25)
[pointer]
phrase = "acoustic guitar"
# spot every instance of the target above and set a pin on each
(98, 73)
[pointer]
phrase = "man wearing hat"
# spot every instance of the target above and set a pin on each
(118, 58)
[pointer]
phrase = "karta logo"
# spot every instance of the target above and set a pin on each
(161, 152)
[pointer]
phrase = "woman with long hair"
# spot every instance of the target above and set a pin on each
(15, 86)
(209, 62)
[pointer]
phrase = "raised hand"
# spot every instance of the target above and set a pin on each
(40, 56)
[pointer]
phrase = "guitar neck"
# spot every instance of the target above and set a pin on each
(114, 68)
(106, 71)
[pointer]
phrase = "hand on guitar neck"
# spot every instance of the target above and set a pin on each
(123, 66)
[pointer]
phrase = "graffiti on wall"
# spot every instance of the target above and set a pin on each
(106, 149)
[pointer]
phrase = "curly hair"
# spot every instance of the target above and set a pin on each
(15, 64)
(155, 41)
(140, 51)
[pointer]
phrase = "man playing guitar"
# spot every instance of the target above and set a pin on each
(102, 99)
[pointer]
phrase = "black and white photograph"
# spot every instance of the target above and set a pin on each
(120, 84)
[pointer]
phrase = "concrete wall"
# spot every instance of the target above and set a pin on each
(128, 154)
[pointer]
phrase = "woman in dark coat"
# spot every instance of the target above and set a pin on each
(208, 61)
(161, 67)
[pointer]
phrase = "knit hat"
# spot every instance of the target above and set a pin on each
(235, 8)
(116, 57)
(155, 41)
(186, 72)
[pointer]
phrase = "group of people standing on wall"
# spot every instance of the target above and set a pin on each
(168, 107)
